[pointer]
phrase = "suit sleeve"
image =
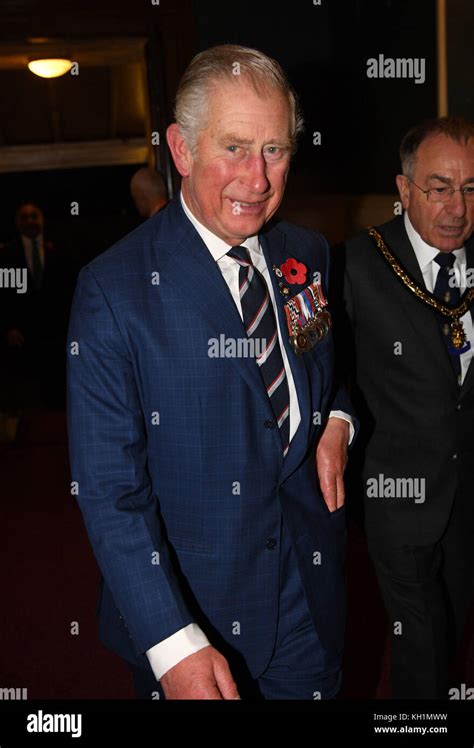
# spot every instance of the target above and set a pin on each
(108, 453)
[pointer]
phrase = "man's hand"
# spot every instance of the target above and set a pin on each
(202, 675)
(331, 460)
(15, 337)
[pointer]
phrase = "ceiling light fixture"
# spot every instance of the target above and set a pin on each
(50, 68)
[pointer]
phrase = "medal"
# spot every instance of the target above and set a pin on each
(307, 318)
(458, 335)
(303, 339)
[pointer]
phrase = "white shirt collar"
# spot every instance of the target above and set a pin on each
(424, 252)
(216, 246)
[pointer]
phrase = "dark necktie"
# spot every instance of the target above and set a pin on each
(36, 263)
(260, 325)
(449, 295)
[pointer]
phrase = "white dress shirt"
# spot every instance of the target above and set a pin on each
(28, 249)
(425, 255)
(167, 653)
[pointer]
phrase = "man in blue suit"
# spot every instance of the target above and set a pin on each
(207, 440)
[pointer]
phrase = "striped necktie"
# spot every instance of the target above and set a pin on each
(260, 325)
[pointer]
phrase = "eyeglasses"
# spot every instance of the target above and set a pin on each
(444, 194)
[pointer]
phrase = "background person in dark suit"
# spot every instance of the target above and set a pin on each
(34, 322)
(197, 473)
(414, 393)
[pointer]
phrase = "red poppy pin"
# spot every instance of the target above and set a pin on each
(294, 271)
(49, 246)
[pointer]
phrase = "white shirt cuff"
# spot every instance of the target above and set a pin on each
(167, 653)
(345, 417)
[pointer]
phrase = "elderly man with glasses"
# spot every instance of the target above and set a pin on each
(408, 319)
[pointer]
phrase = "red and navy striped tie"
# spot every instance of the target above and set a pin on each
(260, 325)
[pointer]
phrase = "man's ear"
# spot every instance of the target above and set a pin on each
(404, 190)
(182, 156)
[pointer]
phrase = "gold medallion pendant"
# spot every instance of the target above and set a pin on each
(458, 335)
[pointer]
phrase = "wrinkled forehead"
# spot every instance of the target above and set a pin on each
(238, 108)
(441, 151)
(231, 91)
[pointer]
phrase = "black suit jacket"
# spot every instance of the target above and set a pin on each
(41, 314)
(415, 420)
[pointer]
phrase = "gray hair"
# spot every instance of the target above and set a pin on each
(230, 63)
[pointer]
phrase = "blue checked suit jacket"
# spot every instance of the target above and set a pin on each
(179, 478)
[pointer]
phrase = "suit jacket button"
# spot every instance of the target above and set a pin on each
(269, 424)
(458, 406)
(271, 544)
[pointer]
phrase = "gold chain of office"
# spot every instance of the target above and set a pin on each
(453, 314)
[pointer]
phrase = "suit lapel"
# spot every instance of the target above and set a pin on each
(421, 318)
(399, 244)
(273, 245)
(196, 276)
(194, 273)
(19, 256)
